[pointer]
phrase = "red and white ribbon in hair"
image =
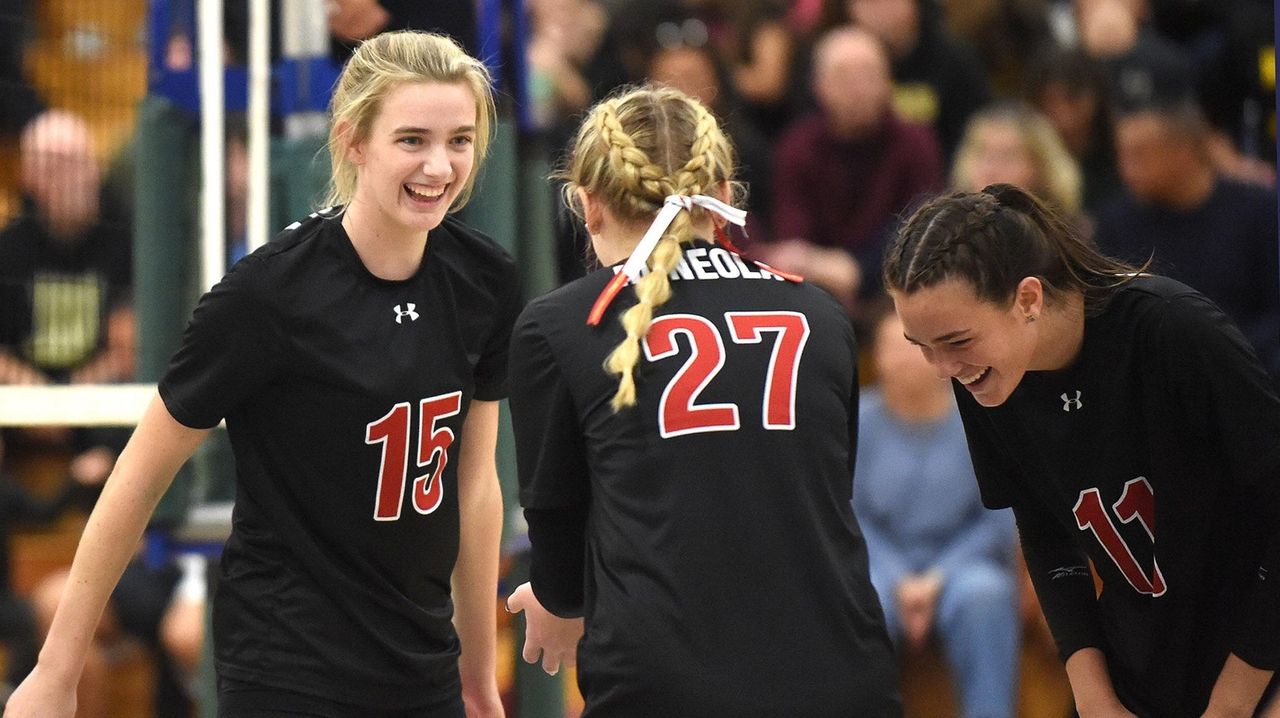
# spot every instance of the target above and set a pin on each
(639, 258)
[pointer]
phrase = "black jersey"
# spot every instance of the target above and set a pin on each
(1156, 455)
(724, 573)
(344, 396)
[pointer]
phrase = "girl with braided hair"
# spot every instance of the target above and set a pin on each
(685, 425)
(1129, 424)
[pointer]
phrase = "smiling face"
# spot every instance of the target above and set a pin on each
(417, 156)
(986, 347)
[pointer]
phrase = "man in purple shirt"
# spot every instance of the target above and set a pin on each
(843, 175)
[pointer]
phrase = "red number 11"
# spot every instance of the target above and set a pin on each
(1137, 502)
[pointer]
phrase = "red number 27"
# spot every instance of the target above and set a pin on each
(677, 412)
(392, 432)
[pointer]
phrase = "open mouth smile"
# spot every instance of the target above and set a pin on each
(424, 194)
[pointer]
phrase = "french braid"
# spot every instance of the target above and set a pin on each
(633, 151)
(993, 239)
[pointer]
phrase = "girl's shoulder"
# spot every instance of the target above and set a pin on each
(1157, 303)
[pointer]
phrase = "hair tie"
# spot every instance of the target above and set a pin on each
(670, 207)
(640, 255)
(1010, 197)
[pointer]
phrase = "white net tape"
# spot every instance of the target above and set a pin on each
(83, 405)
(106, 405)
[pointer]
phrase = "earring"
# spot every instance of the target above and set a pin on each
(1031, 318)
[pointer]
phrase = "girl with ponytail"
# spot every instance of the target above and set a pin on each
(685, 425)
(1130, 426)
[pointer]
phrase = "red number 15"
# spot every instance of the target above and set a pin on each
(392, 432)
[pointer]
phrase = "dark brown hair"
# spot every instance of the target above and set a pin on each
(995, 238)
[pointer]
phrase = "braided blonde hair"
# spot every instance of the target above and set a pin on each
(378, 66)
(631, 152)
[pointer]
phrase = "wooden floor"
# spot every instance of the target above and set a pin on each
(926, 684)
(1043, 691)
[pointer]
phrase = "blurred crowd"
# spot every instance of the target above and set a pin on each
(1149, 123)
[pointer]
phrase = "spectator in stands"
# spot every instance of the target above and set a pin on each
(574, 59)
(1139, 62)
(65, 272)
(1011, 143)
(938, 79)
(1070, 88)
(752, 40)
(842, 175)
(1004, 33)
(18, 632)
(1214, 233)
(161, 607)
(944, 565)
(573, 62)
(351, 21)
(66, 317)
(1238, 84)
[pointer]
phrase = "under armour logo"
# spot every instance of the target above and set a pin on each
(1067, 402)
(402, 313)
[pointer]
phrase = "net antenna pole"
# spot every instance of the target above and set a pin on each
(212, 143)
(304, 39)
(259, 140)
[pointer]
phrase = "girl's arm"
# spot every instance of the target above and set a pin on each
(475, 577)
(1238, 689)
(146, 467)
(1062, 578)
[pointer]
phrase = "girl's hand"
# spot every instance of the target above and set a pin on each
(42, 696)
(553, 638)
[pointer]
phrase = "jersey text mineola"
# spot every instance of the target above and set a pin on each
(715, 263)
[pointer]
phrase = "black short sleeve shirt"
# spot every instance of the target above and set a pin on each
(725, 573)
(1158, 452)
(344, 396)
